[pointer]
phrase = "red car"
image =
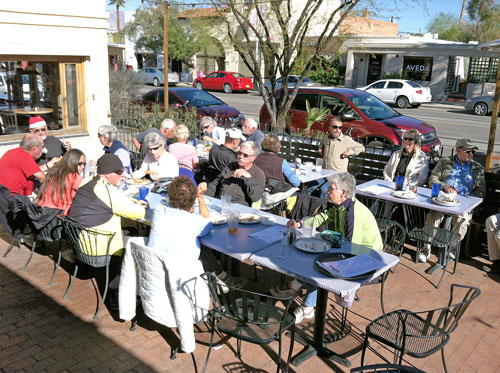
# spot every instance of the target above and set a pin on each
(224, 81)
(365, 117)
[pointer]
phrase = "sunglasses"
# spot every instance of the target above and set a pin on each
(244, 155)
(81, 163)
(36, 130)
(155, 148)
(409, 139)
(119, 173)
(205, 127)
(336, 127)
(469, 151)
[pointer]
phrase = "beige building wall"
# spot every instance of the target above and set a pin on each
(63, 28)
(354, 25)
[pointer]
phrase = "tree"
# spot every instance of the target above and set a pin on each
(280, 33)
(118, 3)
(448, 26)
(146, 31)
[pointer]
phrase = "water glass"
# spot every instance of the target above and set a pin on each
(232, 221)
(399, 182)
(143, 193)
(309, 167)
(284, 245)
(225, 203)
(307, 226)
(436, 187)
(319, 164)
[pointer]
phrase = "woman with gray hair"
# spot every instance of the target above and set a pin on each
(347, 216)
(410, 162)
(108, 136)
(214, 134)
(158, 162)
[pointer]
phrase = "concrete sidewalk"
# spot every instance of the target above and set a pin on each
(40, 331)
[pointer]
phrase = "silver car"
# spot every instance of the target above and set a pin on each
(481, 105)
(155, 76)
(292, 82)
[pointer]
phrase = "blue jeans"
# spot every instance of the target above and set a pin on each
(319, 186)
(311, 295)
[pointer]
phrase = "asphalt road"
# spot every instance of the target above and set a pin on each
(451, 121)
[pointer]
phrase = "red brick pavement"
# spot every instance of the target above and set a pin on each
(40, 331)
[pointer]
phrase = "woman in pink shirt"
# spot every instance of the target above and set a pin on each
(62, 181)
(184, 152)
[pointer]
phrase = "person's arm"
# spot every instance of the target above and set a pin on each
(389, 166)
(289, 174)
(202, 188)
(353, 148)
(420, 169)
(124, 156)
(479, 187)
(436, 173)
(254, 185)
(40, 176)
(123, 205)
(137, 144)
(213, 187)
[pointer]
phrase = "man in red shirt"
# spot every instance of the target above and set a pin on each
(19, 168)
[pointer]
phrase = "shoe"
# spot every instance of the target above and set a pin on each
(423, 255)
(230, 281)
(452, 255)
(302, 313)
(284, 291)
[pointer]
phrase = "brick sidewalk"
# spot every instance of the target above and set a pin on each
(40, 331)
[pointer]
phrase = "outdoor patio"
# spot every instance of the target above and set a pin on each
(40, 331)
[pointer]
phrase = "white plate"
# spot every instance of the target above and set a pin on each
(404, 194)
(246, 218)
(440, 202)
(312, 245)
(218, 219)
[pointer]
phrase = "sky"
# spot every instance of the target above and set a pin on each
(414, 15)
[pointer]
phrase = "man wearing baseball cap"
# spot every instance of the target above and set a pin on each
(222, 155)
(458, 174)
(54, 148)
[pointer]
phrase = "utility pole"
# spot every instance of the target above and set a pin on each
(165, 55)
(462, 13)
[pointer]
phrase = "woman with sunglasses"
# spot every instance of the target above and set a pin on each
(62, 181)
(158, 163)
(410, 162)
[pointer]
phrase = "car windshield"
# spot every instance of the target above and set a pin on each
(372, 107)
(413, 84)
(199, 98)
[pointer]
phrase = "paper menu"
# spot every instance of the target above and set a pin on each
(269, 235)
(351, 267)
(375, 189)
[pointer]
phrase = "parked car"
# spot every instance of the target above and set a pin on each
(480, 105)
(205, 104)
(400, 92)
(365, 117)
(224, 81)
(156, 77)
(292, 82)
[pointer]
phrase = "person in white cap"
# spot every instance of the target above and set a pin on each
(54, 148)
(222, 155)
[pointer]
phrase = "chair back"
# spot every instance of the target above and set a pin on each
(86, 241)
(394, 236)
(386, 368)
(246, 307)
(9, 121)
(380, 209)
(414, 217)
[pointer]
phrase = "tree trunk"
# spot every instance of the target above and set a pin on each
(117, 16)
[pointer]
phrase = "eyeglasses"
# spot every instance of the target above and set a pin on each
(469, 151)
(336, 127)
(244, 155)
(155, 148)
(81, 163)
(119, 173)
(409, 139)
(205, 127)
(36, 130)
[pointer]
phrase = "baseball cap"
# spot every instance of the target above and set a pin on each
(466, 143)
(109, 163)
(235, 133)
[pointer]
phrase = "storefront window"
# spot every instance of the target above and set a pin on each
(29, 88)
(418, 68)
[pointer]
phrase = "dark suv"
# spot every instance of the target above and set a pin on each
(365, 117)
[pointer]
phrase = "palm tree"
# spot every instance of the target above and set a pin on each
(118, 3)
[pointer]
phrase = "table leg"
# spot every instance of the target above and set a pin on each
(317, 345)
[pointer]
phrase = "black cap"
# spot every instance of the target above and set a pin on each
(109, 163)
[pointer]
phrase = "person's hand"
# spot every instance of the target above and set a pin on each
(207, 138)
(449, 189)
(241, 173)
(66, 144)
(143, 203)
(155, 175)
(202, 188)
(292, 224)
(345, 154)
(53, 161)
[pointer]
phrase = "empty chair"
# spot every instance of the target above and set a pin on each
(421, 334)
(249, 316)
(84, 242)
(386, 368)
(8, 120)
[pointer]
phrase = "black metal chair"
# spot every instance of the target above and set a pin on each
(444, 239)
(85, 243)
(381, 210)
(249, 316)
(386, 368)
(421, 334)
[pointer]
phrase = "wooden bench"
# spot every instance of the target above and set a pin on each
(368, 165)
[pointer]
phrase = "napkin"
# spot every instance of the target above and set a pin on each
(448, 197)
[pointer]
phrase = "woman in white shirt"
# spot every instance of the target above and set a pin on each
(158, 163)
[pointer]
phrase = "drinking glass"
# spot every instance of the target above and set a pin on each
(233, 222)
(399, 182)
(436, 187)
(309, 167)
(319, 164)
(307, 226)
(225, 203)
(284, 245)
(143, 192)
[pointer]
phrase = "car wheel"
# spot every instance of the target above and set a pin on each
(415, 105)
(402, 102)
(480, 109)
(199, 85)
(228, 88)
(156, 82)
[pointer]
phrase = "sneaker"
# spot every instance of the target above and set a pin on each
(423, 255)
(284, 291)
(234, 282)
(452, 254)
(302, 313)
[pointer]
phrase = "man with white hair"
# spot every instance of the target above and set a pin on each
(252, 132)
(214, 133)
(53, 147)
(222, 155)
(167, 128)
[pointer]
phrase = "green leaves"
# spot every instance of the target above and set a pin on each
(315, 114)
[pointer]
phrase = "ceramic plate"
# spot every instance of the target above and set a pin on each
(312, 245)
(440, 202)
(246, 218)
(404, 194)
(218, 219)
